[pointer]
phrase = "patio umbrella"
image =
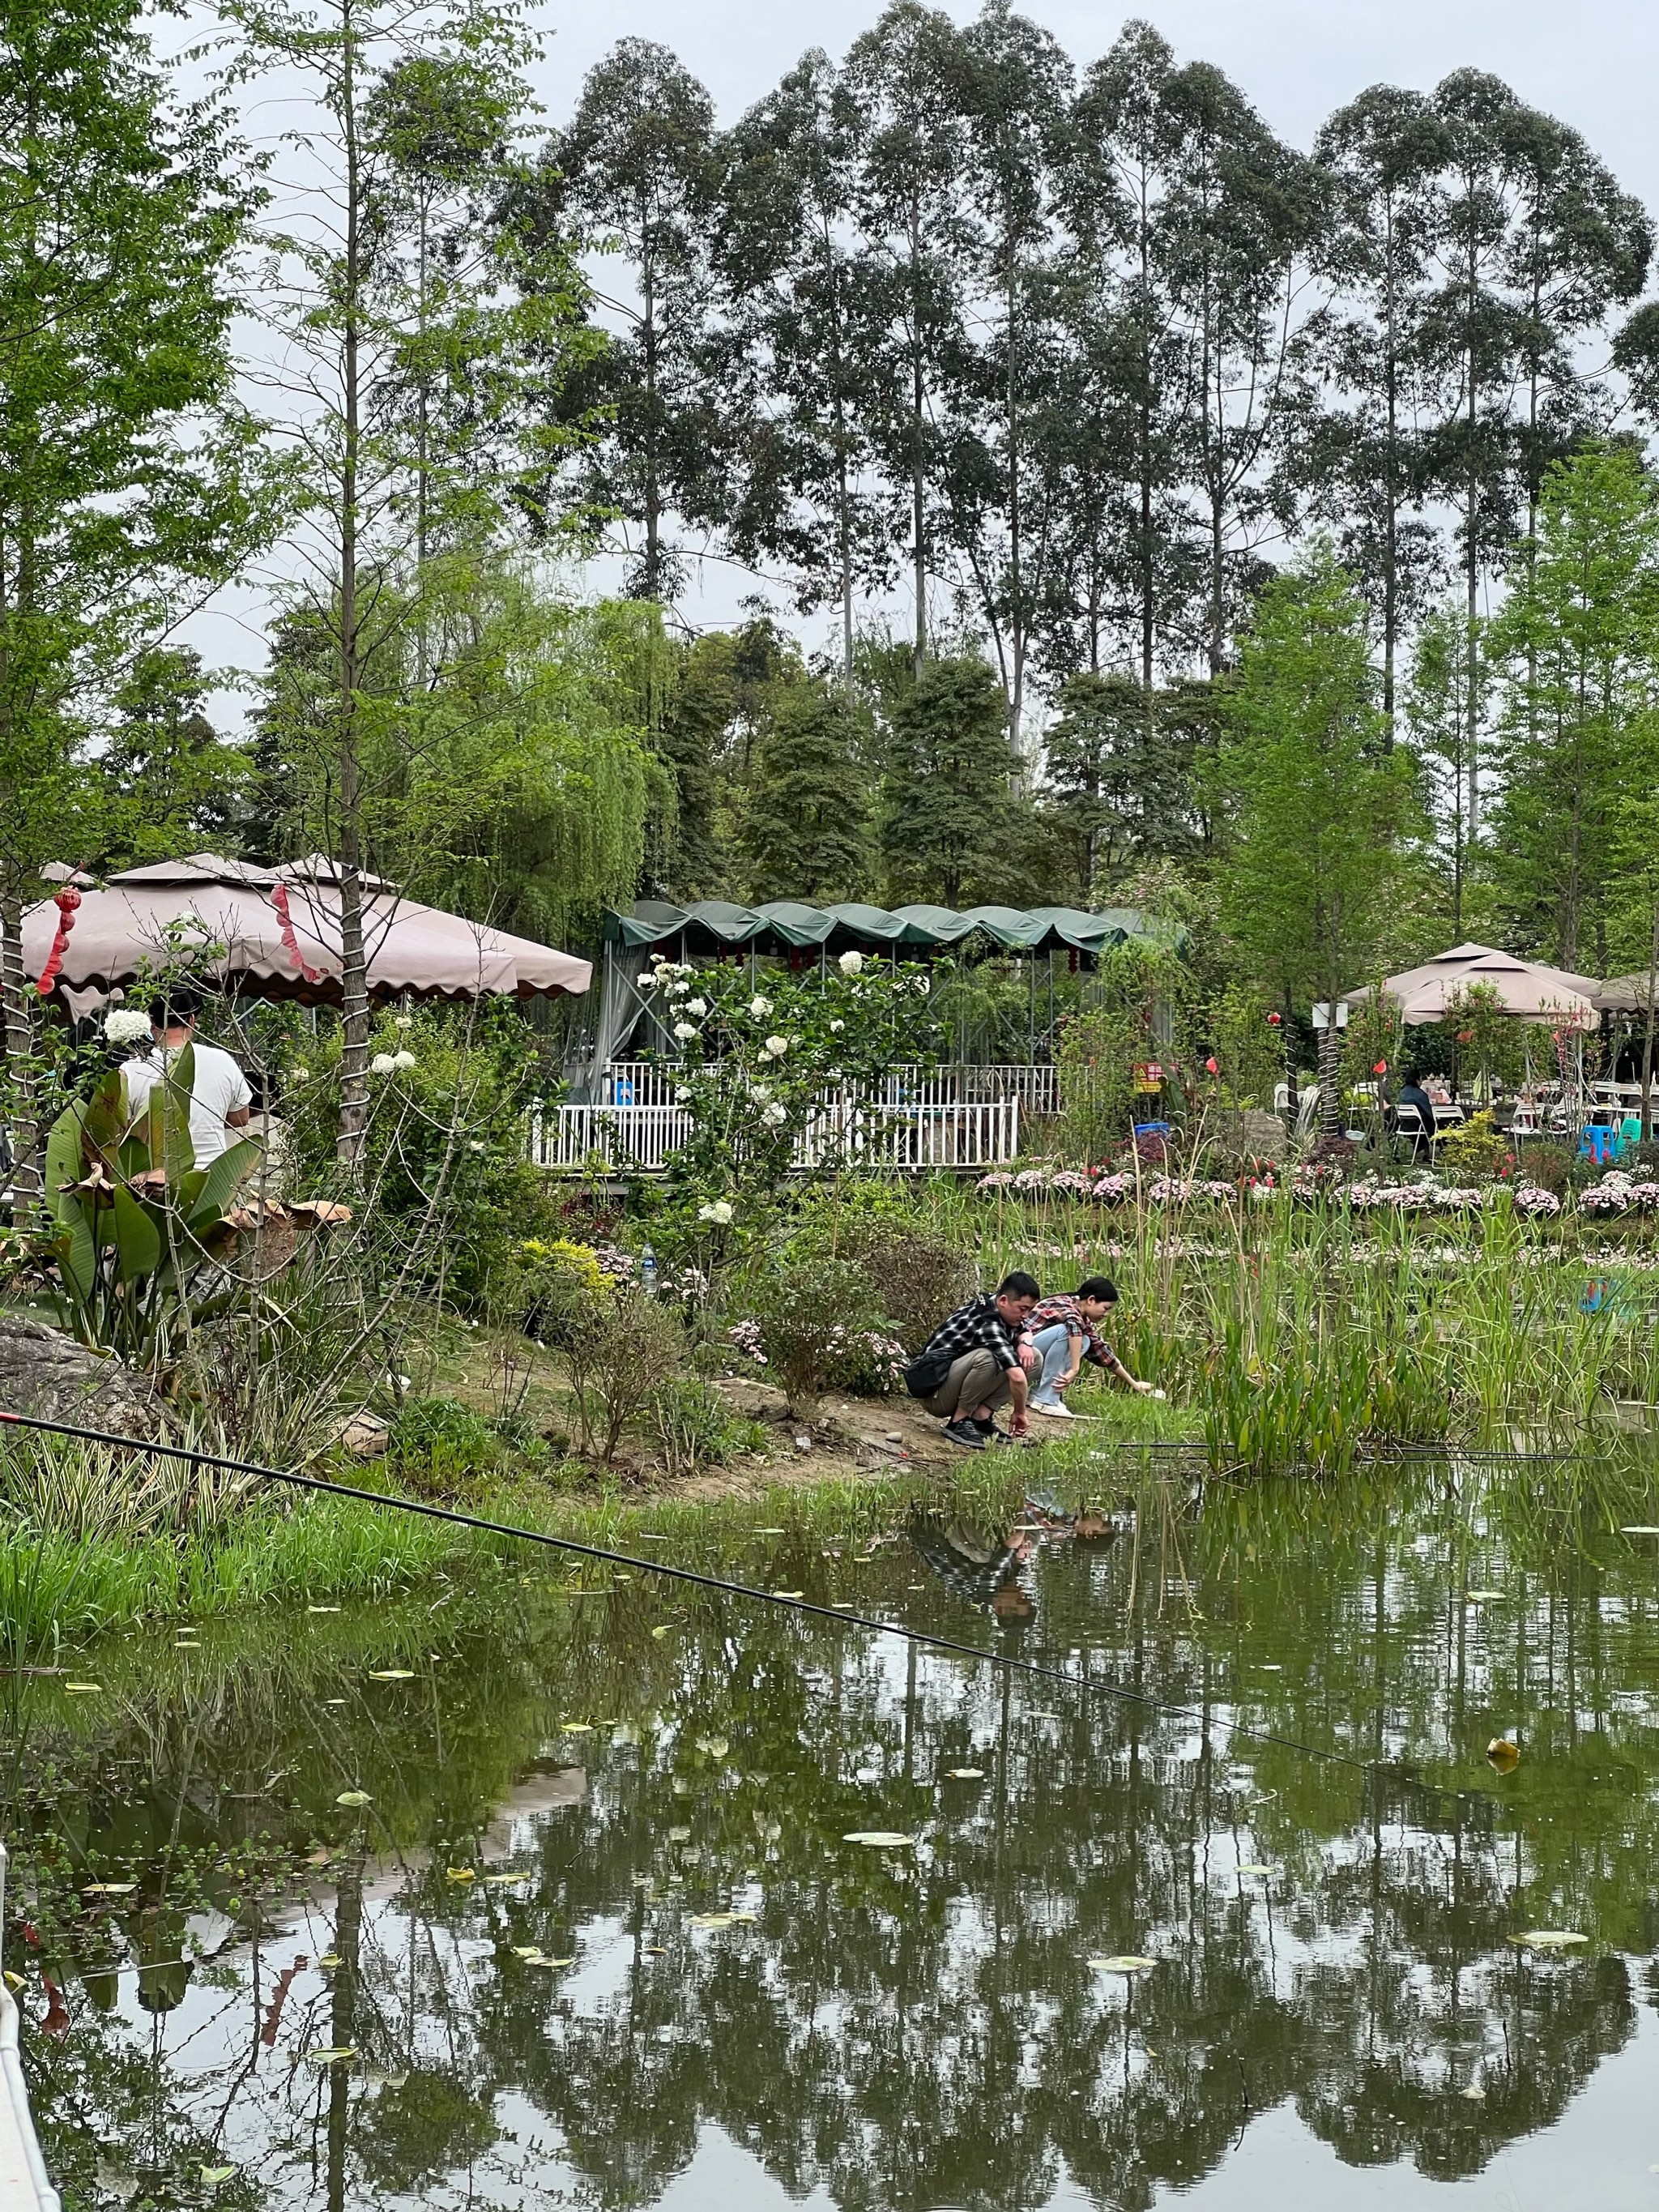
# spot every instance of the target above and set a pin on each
(277, 935)
(1531, 991)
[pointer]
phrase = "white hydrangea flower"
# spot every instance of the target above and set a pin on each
(382, 1064)
(850, 963)
(126, 1027)
(775, 1047)
(718, 1211)
(760, 1007)
(684, 1032)
(299, 1075)
(697, 1007)
(772, 1116)
(404, 1022)
(402, 1060)
(681, 1096)
(678, 987)
(837, 1027)
(763, 1092)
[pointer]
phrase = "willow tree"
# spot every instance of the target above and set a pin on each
(1319, 807)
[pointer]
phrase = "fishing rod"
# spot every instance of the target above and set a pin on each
(841, 1616)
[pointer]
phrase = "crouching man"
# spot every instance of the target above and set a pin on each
(975, 1362)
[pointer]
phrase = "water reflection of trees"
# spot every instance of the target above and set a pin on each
(903, 2030)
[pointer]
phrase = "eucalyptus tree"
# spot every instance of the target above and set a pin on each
(1242, 212)
(126, 488)
(1448, 672)
(1124, 151)
(905, 74)
(797, 283)
(947, 786)
(1365, 467)
(1013, 84)
(637, 174)
(806, 826)
(409, 403)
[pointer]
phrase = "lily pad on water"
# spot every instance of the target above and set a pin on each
(354, 1797)
(1486, 1597)
(1549, 1939)
(1126, 1962)
(501, 1879)
(83, 1689)
(460, 1874)
(391, 1675)
(712, 1920)
(109, 1888)
(1253, 1867)
(660, 1632)
(716, 1747)
(322, 1609)
(213, 2175)
(965, 1774)
(336, 2054)
(881, 1838)
(1639, 1529)
(576, 1727)
(789, 1593)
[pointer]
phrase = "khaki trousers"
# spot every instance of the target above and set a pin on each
(978, 1378)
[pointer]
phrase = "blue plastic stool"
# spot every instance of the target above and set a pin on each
(1598, 1143)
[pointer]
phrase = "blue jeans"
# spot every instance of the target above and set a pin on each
(1054, 1344)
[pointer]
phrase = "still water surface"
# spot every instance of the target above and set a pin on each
(563, 1779)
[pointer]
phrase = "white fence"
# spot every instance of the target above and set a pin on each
(637, 1083)
(959, 1134)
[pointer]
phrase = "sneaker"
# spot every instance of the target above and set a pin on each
(1057, 1411)
(991, 1433)
(965, 1433)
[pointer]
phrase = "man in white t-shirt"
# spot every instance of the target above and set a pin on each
(220, 1100)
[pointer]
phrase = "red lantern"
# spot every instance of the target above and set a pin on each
(1275, 1021)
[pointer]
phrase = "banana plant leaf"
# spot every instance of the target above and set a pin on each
(202, 1204)
(65, 1160)
(104, 1121)
(138, 1238)
(77, 1249)
(170, 1145)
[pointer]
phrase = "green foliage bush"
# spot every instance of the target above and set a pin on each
(816, 1317)
(911, 1276)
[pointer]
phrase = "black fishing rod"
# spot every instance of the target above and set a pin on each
(841, 1616)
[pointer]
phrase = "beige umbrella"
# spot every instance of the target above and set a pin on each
(277, 934)
(1531, 991)
(1624, 994)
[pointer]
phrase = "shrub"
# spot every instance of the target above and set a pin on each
(622, 1350)
(912, 1276)
(1476, 1151)
(814, 1318)
(1547, 1167)
(694, 1427)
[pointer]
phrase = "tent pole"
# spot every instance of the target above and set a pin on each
(1051, 1003)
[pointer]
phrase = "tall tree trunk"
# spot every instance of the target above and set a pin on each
(354, 974)
(342, 2025)
(1390, 491)
(1017, 588)
(652, 489)
(26, 1177)
(918, 416)
(1330, 1090)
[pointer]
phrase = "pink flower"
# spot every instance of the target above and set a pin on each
(1213, 1065)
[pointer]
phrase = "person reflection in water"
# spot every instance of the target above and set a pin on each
(985, 1570)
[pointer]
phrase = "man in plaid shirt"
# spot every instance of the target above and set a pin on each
(975, 1361)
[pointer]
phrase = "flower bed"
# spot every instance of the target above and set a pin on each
(1369, 1193)
(1618, 1193)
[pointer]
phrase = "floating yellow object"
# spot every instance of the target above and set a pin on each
(1549, 1939)
(462, 1874)
(354, 1797)
(1126, 1962)
(391, 1675)
(1504, 1754)
(83, 1689)
(109, 1888)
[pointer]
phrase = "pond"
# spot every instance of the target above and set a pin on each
(563, 1859)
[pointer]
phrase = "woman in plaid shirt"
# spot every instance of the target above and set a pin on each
(1064, 1330)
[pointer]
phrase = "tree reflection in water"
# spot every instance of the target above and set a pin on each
(894, 2028)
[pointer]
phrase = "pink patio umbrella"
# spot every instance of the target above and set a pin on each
(277, 934)
(1531, 991)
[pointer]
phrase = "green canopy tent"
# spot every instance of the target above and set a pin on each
(713, 928)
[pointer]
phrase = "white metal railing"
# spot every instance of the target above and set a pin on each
(959, 1134)
(639, 1083)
